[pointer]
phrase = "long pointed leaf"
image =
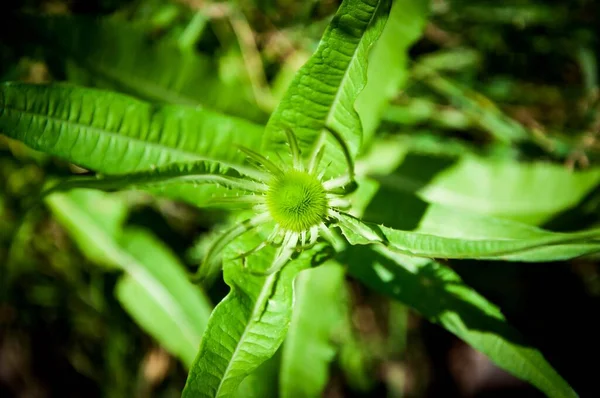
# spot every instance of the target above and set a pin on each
(325, 88)
(155, 289)
(177, 323)
(249, 325)
(164, 177)
(116, 134)
(439, 294)
(310, 344)
(550, 247)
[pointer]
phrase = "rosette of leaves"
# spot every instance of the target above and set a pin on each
(294, 183)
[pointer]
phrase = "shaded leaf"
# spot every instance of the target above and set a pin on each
(388, 61)
(439, 294)
(262, 382)
(480, 110)
(112, 54)
(155, 289)
(310, 344)
(168, 307)
(94, 220)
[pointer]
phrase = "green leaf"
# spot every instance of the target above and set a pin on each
(93, 220)
(501, 244)
(439, 294)
(527, 192)
(451, 59)
(388, 61)
(261, 383)
(175, 313)
(155, 289)
(115, 55)
(116, 134)
(325, 88)
(161, 178)
(356, 360)
(248, 326)
(530, 192)
(310, 344)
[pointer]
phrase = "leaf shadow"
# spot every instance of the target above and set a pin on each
(433, 290)
(582, 216)
(396, 204)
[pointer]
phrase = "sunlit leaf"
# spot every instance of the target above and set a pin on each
(249, 325)
(325, 88)
(527, 192)
(499, 245)
(116, 134)
(530, 192)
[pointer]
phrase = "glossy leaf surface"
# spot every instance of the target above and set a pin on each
(325, 89)
(116, 134)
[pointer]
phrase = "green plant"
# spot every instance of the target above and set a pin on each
(301, 196)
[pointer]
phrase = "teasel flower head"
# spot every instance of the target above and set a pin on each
(294, 197)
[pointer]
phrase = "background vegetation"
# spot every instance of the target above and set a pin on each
(494, 108)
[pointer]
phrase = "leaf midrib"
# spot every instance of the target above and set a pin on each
(362, 230)
(100, 131)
